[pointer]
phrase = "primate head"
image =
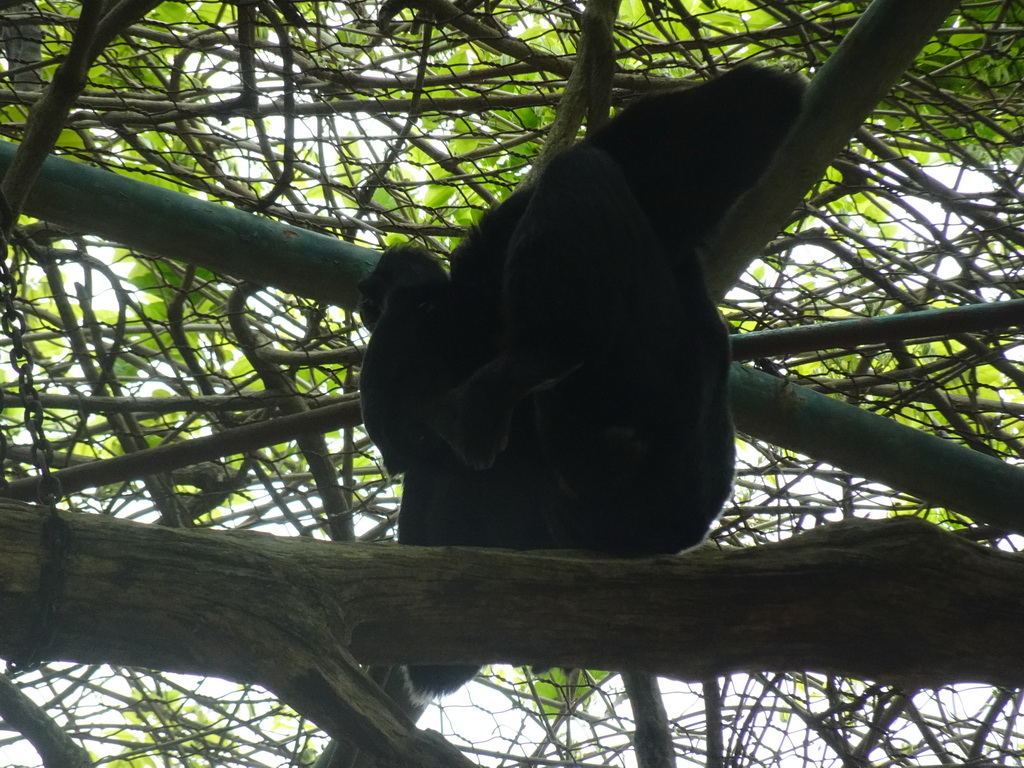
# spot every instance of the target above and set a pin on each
(405, 266)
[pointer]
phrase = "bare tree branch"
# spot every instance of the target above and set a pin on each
(54, 746)
(871, 59)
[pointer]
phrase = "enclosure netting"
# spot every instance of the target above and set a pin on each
(309, 113)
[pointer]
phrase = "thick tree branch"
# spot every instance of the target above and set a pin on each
(289, 637)
(900, 601)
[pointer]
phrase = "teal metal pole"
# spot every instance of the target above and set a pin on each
(940, 471)
(173, 225)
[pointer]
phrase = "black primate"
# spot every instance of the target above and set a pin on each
(625, 370)
(419, 350)
(423, 344)
(689, 155)
(573, 358)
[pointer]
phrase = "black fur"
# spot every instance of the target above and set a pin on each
(624, 369)
(573, 358)
(424, 343)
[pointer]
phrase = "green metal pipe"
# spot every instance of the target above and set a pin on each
(939, 471)
(849, 334)
(172, 225)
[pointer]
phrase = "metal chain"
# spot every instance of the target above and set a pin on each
(55, 532)
(14, 326)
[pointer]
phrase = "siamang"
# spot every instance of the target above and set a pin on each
(624, 372)
(423, 344)
(565, 385)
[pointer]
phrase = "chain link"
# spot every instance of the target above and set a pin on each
(55, 532)
(14, 326)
